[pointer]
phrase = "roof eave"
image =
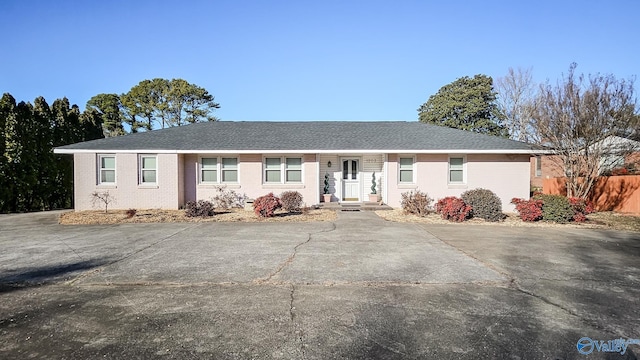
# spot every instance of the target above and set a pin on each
(309, 151)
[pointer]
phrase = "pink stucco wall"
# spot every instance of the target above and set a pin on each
(250, 180)
(505, 175)
(127, 192)
(178, 179)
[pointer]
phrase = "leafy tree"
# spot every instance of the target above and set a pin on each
(91, 125)
(140, 102)
(7, 114)
(108, 106)
(188, 103)
(168, 103)
(467, 104)
(67, 130)
(33, 178)
(41, 162)
(579, 118)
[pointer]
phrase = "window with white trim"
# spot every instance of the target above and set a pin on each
(216, 170)
(282, 170)
(405, 165)
(209, 170)
(148, 169)
(106, 169)
(229, 170)
(456, 170)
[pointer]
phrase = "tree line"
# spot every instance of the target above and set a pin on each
(151, 104)
(33, 178)
(585, 120)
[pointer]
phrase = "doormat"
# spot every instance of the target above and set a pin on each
(350, 210)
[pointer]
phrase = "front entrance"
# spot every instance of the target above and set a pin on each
(351, 179)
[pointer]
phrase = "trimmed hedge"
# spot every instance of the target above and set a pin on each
(485, 203)
(265, 206)
(528, 210)
(556, 208)
(453, 209)
(291, 201)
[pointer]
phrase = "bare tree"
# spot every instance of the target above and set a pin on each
(102, 198)
(516, 99)
(583, 119)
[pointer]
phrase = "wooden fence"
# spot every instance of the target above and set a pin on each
(610, 193)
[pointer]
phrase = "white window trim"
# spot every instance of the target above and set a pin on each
(140, 178)
(464, 170)
(283, 170)
(413, 170)
(115, 171)
(218, 170)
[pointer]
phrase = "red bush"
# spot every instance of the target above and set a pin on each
(529, 210)
(265, 206)
(453, 209)
(581, 208)
(579, 217)
(580, 205)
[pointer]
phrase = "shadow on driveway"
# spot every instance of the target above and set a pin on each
(11, 280)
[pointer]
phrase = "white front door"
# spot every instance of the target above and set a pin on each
(350, 179)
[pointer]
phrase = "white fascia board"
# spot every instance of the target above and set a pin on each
(338, 151)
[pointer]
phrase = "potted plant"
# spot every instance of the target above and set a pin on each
(326, 195)
(374, 196)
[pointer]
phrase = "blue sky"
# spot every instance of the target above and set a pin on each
(305, 60)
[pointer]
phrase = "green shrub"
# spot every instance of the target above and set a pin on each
(556, 208)
(417, 203)
(486, 205)
(291, 201)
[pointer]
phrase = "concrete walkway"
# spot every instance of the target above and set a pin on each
(358, 287)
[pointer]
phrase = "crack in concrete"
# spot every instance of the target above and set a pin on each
(513, 284)
(99, 269)
(297, 329)
(289, 259)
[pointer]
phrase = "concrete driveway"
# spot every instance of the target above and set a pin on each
(358, 287)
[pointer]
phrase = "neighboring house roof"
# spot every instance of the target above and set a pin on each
(617, 144)
(308, 136)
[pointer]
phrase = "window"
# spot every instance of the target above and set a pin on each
(293, 170)
(279, 170)
(107, 169)
(229, 170)
(272, 170)
(209, 170)
(456, 170)
(216, 170)
(406, 170)
(148, 169)
(538, 166)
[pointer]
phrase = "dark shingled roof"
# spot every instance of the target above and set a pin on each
(304, 136)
